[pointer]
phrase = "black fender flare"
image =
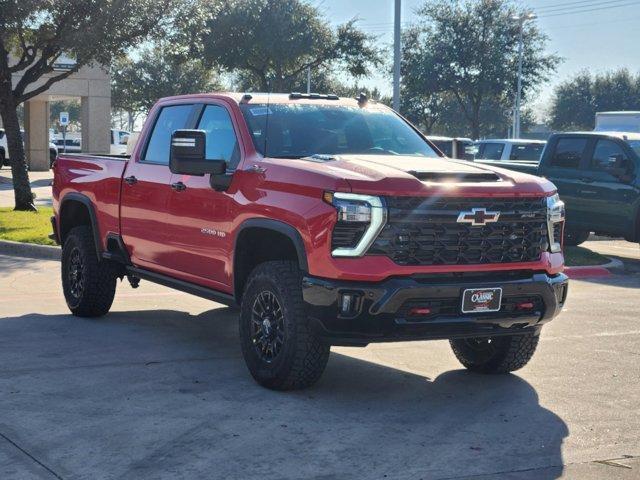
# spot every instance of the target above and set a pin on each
(281, 227)
(86, 201)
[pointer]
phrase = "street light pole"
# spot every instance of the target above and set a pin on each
(516, 111)
(396, 56)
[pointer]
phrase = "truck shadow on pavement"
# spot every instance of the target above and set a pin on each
(165, 394)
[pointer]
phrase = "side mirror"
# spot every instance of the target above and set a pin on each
(188, 154)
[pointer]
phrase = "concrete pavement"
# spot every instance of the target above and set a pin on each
(40, 186)
(158, 389)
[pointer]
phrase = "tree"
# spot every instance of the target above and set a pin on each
(468, 51)
(160, 70)
(35, 33)
(271, 43)
(576, 101)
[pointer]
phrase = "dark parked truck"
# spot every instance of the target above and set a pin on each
(597, 177)
(327, 221)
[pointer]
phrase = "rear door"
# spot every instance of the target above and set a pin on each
(563, 165)
(200, 218)
(146, 187)
(610, 200)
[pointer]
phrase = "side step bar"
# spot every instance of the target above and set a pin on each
(183, 286)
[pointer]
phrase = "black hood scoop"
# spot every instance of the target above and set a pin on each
(455, 177)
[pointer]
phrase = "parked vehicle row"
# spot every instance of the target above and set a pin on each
(328, 221)
(4, 150)
(597, 176)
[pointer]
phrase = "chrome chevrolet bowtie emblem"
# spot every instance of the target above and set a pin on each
(478, 217)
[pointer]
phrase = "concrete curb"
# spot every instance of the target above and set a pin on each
(592, 271)
(31, 250)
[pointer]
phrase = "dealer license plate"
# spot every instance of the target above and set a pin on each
(477, 300)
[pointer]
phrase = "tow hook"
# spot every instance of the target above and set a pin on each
(133, 281)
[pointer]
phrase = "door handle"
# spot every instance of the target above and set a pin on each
(588, 192)
(131, 180)
(587, 180)
(178, 186)
(256, 169)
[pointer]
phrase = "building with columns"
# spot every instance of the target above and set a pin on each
(92, 86)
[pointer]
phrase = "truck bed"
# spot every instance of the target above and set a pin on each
(97, 178)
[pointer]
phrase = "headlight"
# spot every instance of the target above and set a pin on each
(555, 222)
(360, 218)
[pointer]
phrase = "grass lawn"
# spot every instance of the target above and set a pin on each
(26, 227)
(580, 256)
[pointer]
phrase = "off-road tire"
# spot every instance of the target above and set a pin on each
(573, 238)
(95, 297)
(302, 356)
(506, 354)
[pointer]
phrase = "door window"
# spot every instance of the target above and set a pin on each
(491, 151)
(568, 152)
(222, 143)
(170, 119)
(526, 151)
(605, 153)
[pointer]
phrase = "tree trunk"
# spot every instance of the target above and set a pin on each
(21, 186)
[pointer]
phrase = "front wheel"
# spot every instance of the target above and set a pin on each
(278, 345)
(495, 354)
(89, 284)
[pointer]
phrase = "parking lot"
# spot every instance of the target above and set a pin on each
(158, 389)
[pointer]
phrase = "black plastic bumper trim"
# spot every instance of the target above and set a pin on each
(378, 317)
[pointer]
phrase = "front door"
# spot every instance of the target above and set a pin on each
(565, 169)
(199, 217)
(146, 189)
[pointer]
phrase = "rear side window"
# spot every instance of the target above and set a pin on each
(568, 152)
(171, 118)
(529, 151)
(491, 151)
(1, 134)
(222, 143)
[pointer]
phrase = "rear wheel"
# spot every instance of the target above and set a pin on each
(495, 354)
(278, 345)
(52, 158)
(2, 158)
(89, 285)
(573, 238)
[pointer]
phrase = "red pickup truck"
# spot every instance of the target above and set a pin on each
(329, 221)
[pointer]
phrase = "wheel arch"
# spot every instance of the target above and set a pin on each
(77, 209)
(278, 240)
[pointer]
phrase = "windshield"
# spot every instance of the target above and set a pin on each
(635, 145)
(302, 130)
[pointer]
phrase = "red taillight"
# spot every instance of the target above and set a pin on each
(418, 311)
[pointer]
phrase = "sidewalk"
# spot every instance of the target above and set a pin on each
(40, 185)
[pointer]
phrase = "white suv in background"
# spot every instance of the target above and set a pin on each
(510, 150)
(4, 150)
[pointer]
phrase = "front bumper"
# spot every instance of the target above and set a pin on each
(381, 312)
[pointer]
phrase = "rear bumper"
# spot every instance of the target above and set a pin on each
(380, 312)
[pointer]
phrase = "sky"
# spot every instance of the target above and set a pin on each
(604, 38)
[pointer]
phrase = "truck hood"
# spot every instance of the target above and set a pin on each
(413, 175)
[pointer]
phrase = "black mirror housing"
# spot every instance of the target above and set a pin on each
(188, 154)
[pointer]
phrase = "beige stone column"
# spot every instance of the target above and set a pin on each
(95, 118)
(36, 125)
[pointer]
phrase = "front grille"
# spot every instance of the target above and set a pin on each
(425, 231)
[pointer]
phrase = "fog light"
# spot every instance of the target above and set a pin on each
(347, 303)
